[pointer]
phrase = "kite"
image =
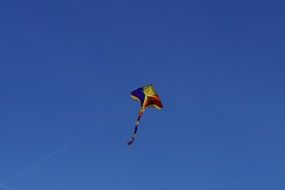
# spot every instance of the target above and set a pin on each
(147, 97)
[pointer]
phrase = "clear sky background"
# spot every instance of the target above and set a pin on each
(68, 65)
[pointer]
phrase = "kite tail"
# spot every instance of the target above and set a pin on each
(136, 128)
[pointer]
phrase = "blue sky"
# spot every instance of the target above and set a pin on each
(67, 66)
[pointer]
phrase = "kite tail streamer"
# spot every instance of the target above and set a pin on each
(136, 128)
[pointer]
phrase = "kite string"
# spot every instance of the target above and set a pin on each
(49, 156)
(5, 187)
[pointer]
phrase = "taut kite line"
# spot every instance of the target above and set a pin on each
(147, 97)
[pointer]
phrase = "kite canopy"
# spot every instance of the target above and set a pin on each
(147, 97)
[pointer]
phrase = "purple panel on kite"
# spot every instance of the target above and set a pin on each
(139, 94)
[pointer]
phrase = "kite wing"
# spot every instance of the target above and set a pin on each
(148, 97)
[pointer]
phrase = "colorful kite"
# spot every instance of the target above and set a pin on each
(147, 97)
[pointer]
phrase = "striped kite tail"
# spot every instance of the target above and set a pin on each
(136, 128)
